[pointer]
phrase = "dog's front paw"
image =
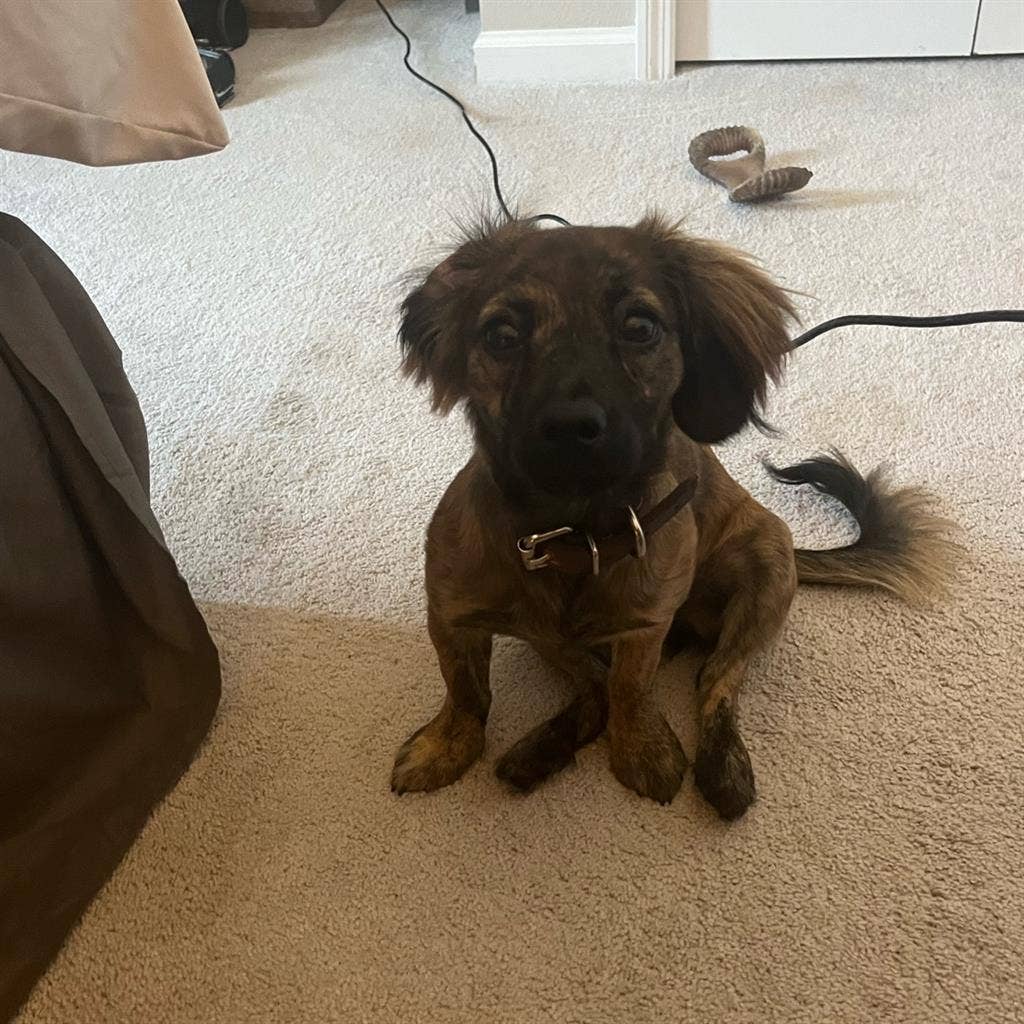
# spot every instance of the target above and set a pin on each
(439, 753)
(722, 768)
(649, 760)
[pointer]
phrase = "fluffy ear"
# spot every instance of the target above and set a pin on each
(732, 320)
(429, 334)
(437, 316)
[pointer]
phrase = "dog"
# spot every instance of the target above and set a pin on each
(596, 366)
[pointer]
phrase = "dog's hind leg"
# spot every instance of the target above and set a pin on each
(551, 746)
(757, 574)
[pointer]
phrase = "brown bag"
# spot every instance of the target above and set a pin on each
(104, 82)
(108, 677)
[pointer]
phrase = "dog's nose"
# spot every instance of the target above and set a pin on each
(580, 422)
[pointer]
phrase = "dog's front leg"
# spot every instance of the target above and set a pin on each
(759, 571)
(445, 747)
(645, 753)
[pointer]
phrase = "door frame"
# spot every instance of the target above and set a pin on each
(655, 39)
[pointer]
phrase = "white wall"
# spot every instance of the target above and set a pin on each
(520, 15)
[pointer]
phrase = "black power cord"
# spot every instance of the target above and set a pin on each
(952, 320)
(469, 124)
(988, 316)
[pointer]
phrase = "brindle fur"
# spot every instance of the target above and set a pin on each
(722, 572)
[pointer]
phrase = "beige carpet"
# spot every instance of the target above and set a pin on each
(878, 878)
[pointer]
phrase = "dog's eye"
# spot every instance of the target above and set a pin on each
(640, 329)
(502, 338)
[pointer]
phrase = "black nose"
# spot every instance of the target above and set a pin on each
(581, 421)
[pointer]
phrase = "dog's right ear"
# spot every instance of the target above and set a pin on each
(438, 315)
(431, 350)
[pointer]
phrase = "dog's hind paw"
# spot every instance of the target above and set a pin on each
(722, 768)
(536, 757)
(551, 746)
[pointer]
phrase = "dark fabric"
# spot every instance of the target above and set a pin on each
(108, 676)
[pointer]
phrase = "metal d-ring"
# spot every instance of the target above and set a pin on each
(595, 555)
(640, 548)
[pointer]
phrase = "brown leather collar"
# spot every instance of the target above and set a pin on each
(575, 551)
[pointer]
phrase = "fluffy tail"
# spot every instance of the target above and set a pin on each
(902, 548)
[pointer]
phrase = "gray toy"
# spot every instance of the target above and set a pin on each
(744, 176)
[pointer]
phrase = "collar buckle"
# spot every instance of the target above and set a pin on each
(527, 547)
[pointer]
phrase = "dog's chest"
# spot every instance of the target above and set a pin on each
(553, 611)
(584, 611)
(477, 580)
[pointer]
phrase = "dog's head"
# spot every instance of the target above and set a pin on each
(574, 349)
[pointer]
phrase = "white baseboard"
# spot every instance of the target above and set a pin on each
(557, 55)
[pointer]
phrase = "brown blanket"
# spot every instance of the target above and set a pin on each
(108, 677)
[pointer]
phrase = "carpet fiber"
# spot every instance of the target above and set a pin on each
(254, 293)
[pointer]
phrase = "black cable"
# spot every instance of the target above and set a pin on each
(469, 124)
(987, 316)
(953, 320)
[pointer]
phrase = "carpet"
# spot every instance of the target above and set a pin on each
(254, 294)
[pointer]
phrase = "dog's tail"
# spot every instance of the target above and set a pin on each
(902, 547)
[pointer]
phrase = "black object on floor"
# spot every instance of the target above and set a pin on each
(221, 24)
(217, 26)
(220, 70)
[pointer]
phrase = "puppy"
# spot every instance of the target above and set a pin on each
(596, 365)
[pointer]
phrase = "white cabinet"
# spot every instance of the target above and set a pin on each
(1000, 27)
(819, 29)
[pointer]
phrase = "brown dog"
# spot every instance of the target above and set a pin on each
(596, 365)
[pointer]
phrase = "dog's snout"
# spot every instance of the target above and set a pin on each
(580, 422)
(578, 446)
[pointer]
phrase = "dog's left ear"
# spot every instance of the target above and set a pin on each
(429, 333)
(732, 322)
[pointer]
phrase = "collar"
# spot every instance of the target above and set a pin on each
(575, 551)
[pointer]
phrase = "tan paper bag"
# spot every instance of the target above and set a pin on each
(104, 82)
